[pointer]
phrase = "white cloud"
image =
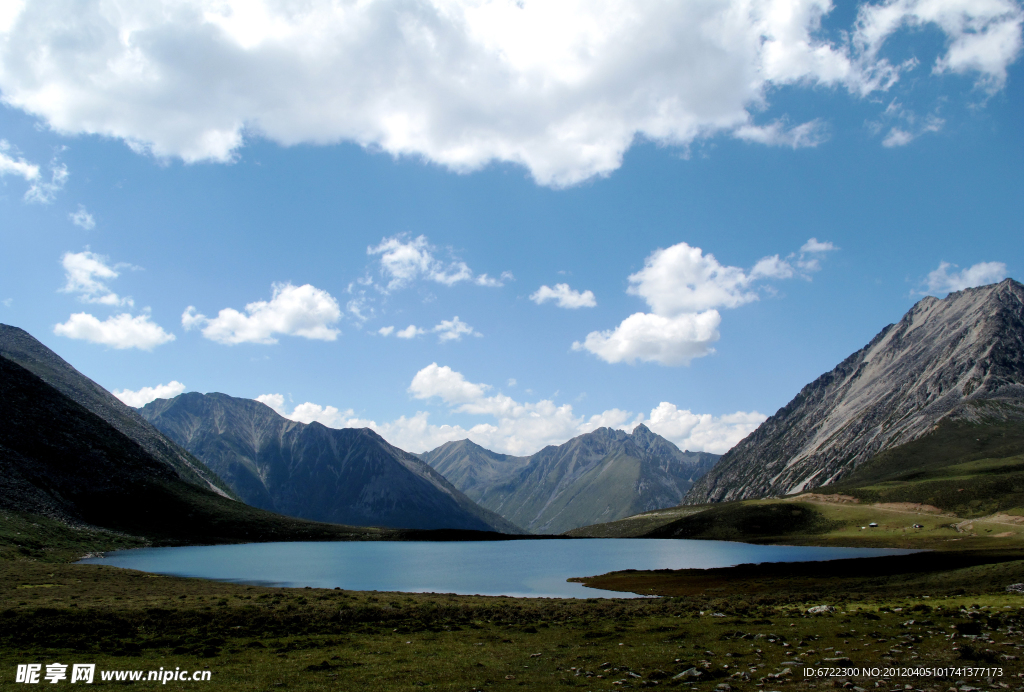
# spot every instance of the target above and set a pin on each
(562, 87)
(19, 167)
(309, 412)
(42, 192)
(304, 311)
(453, 330)
(511, 382)
(942, 280)
(85, 273)
(683, 279)
(409, 332)
(684, 287)
(652, 338)
(701, 431)
(120, 331)
(385, 331)
(809, 134)
(147, 394)
(813, 245)
(519, 428)
(82, 218)
(403, 261)
(564, 296)
(443, 382)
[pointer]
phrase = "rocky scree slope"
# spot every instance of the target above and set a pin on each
(22, 348)
(960, 358)
(597, 477)
(349, 476)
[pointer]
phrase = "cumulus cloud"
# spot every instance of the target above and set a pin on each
(684, 288)
(304, 311)
(701, 431)
(85, 273)
(564, 297)
(409, 332)
(562, 87)
(309, 412)
(666, 340)
(519, 428)
(120, 331)
(404, 260)
(942, 280)
(140, 398)
(82, 218)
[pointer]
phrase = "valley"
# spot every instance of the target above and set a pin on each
(934, 463)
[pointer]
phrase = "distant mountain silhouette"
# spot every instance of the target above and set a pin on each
(598, 477)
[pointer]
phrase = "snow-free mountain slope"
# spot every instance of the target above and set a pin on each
(22, 348)
(600, 476)
(936, 363)
(349, 476)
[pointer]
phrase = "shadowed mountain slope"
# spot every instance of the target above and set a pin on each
(601, 476)
(22, 348)
(349, 476)
(61, 461)
(957, 359)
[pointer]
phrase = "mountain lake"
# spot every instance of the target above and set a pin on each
(521, 568)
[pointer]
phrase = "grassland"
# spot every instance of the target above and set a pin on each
(735, 627)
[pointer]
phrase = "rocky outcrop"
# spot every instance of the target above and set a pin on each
(597, 477)
(350, 476)
(958, 358)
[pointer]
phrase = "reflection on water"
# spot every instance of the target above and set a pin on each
(510, 568)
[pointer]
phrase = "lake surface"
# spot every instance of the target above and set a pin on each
(534, 568)
(530, 568)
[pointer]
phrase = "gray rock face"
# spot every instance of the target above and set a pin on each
(349, 476)
(961, 357)
(22, 348)
(597, 477)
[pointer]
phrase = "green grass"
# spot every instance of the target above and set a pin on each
(738, 622)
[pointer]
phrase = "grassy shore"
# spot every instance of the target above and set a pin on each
(735, 626)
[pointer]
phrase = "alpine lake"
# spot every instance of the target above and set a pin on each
(519, 568)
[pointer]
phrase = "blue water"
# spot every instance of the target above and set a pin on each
(494, 568)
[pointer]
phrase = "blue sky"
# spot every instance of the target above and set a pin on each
(353, 211)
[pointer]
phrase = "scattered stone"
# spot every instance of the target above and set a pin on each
(688, 673)
(1015, 588)
(821, 609)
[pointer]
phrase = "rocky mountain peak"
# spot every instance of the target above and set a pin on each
(941, 357)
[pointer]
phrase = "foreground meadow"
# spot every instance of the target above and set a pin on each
(744, 628)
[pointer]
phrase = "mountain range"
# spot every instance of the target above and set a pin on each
(600, 476)
(347, 476)
(958, 359)
(72, 467)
